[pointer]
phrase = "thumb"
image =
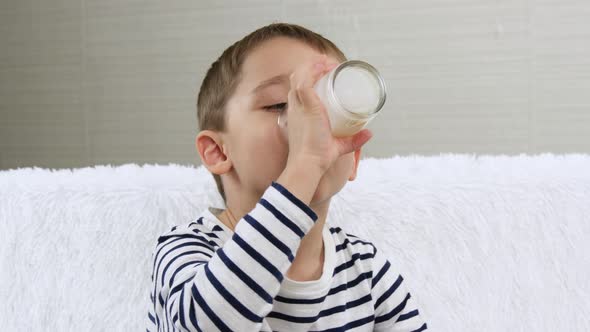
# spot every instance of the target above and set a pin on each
(355, 142)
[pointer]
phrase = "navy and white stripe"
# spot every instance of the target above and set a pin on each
(205, 279)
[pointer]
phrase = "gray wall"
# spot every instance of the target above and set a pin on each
(112, 82)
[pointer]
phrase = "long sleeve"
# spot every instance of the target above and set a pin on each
(395, 308)
(299, 303)
(231, 288)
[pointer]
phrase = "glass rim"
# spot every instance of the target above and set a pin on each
(370, 69)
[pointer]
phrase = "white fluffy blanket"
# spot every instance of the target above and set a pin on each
(485, 243)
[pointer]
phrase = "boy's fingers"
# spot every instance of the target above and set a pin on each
(331, 65)
(310, 100)
(293, 98)
(355, 142)
(304, 78)
(307, 74)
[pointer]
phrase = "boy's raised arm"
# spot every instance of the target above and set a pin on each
(232, 288)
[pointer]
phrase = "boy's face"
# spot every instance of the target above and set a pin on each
(253, 142)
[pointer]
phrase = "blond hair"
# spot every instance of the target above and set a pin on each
(223, 76)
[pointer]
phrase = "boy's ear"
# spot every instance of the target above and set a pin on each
(357, 156)
(212, 151)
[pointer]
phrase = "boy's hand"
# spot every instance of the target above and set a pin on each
(312, 148)
(310, 138)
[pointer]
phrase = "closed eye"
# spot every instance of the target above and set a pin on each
(279, 107)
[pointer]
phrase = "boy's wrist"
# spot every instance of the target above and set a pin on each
(300, 179)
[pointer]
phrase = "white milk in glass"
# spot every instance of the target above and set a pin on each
(353, 93)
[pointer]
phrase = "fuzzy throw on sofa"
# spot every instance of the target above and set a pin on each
(485, 243)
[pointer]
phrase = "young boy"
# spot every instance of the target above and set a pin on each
(269, 261)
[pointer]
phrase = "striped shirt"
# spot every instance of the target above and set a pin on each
(207, 278)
